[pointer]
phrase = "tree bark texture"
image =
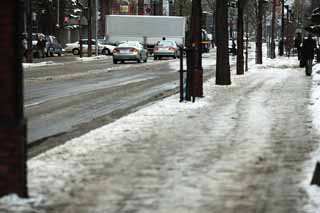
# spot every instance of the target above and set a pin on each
(140, 7)
(273, 30)
(197, 73)
(259, 33)
(240, 58)
(89, 28)
(13, 144)
(223, 76)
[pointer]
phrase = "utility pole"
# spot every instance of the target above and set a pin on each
(13, 138)
(90, 28)
(273, 29)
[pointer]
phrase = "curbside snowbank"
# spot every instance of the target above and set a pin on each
(313, 191)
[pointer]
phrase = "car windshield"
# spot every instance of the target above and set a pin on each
(102, 41)
(166, 44)
(128, 44)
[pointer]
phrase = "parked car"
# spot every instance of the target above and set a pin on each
(104, 49)
(53, 46)
(165, 48)
(130, 51)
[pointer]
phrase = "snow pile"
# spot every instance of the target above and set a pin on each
(40, 64)
(93, 58)
(312, 190)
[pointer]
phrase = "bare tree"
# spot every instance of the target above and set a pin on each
(223, 76)
(259, 18)
(182, 7)
(240, 34)
(140, 7)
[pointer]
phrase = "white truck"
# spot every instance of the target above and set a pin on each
(147, 30)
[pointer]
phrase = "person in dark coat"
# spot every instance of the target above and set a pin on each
(308, 50)
(297, 44)
(41, 45)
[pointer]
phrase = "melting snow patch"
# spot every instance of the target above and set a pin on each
(40, 64)
(14, 202)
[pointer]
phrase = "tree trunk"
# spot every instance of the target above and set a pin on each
(259, 33)
(240, 58)
(223, 67)
(197, 73)
(140, 7)
(89, 28)
(273, 29)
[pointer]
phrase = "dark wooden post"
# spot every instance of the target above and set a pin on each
(12, 123)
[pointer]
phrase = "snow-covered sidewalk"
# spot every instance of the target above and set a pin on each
(248, 147)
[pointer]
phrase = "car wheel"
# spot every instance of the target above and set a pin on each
(106, 52)
(139, 59)
(115, 61)
(51, 54)
(76, 51)
(122, 61)
(59, 53)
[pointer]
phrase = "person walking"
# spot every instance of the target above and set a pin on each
(308, 49)
(288, 45)
(41, 44)
(297, 44)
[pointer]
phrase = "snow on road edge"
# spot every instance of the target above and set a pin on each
(313, 191)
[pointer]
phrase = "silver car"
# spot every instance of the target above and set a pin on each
(165, 48)
(130, 51)
(103, 49)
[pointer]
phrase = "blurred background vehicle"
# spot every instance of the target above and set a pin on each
(103, 48)
(53, 46)
(166, 48)
(130, 51)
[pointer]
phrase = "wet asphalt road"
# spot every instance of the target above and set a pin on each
(72, 97)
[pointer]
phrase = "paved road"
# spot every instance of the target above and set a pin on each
(74, 97)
